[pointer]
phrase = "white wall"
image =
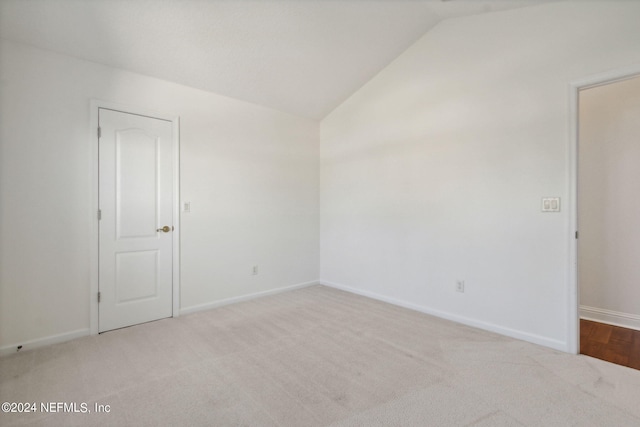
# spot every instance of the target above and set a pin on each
(609, 203)
(433, 172)
(251, 174)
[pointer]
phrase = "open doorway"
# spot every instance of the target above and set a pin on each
(608, 215)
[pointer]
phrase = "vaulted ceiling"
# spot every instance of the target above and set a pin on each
(299, 56)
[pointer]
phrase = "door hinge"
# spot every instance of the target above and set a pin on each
(99, 214)
(576, 234)
(99, 132)
(99, 296)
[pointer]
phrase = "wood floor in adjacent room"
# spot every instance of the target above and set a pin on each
(315, 356)
(611, 343)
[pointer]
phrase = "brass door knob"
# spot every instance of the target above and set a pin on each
(166, 229)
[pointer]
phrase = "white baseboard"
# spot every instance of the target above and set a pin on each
(227, 301)
(513, 333)
(68, 336)
(585, 312)
(610, 317)
(41, 342)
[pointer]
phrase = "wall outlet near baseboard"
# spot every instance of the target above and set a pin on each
(254, 270)
(460, 286)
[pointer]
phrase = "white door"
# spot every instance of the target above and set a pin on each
(136, 224)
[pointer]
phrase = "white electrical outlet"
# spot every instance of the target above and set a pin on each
(186, 207)
(460, 285)
(254, 270)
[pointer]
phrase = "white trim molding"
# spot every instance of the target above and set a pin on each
(513, 333)
(68, 336)
(95, 105)
(41, 342)
(610, 317)
(573, 286)
(233, 300)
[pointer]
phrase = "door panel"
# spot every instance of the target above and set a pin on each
(136, 186)
(136, 276)
(136, 200)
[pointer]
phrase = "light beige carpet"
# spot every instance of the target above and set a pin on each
(314, 357)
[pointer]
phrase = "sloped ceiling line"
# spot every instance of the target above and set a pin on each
(301, 57)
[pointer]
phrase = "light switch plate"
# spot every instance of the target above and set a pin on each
(551, 204)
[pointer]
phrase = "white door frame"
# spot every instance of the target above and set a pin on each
(573, 321)
(94, 261)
